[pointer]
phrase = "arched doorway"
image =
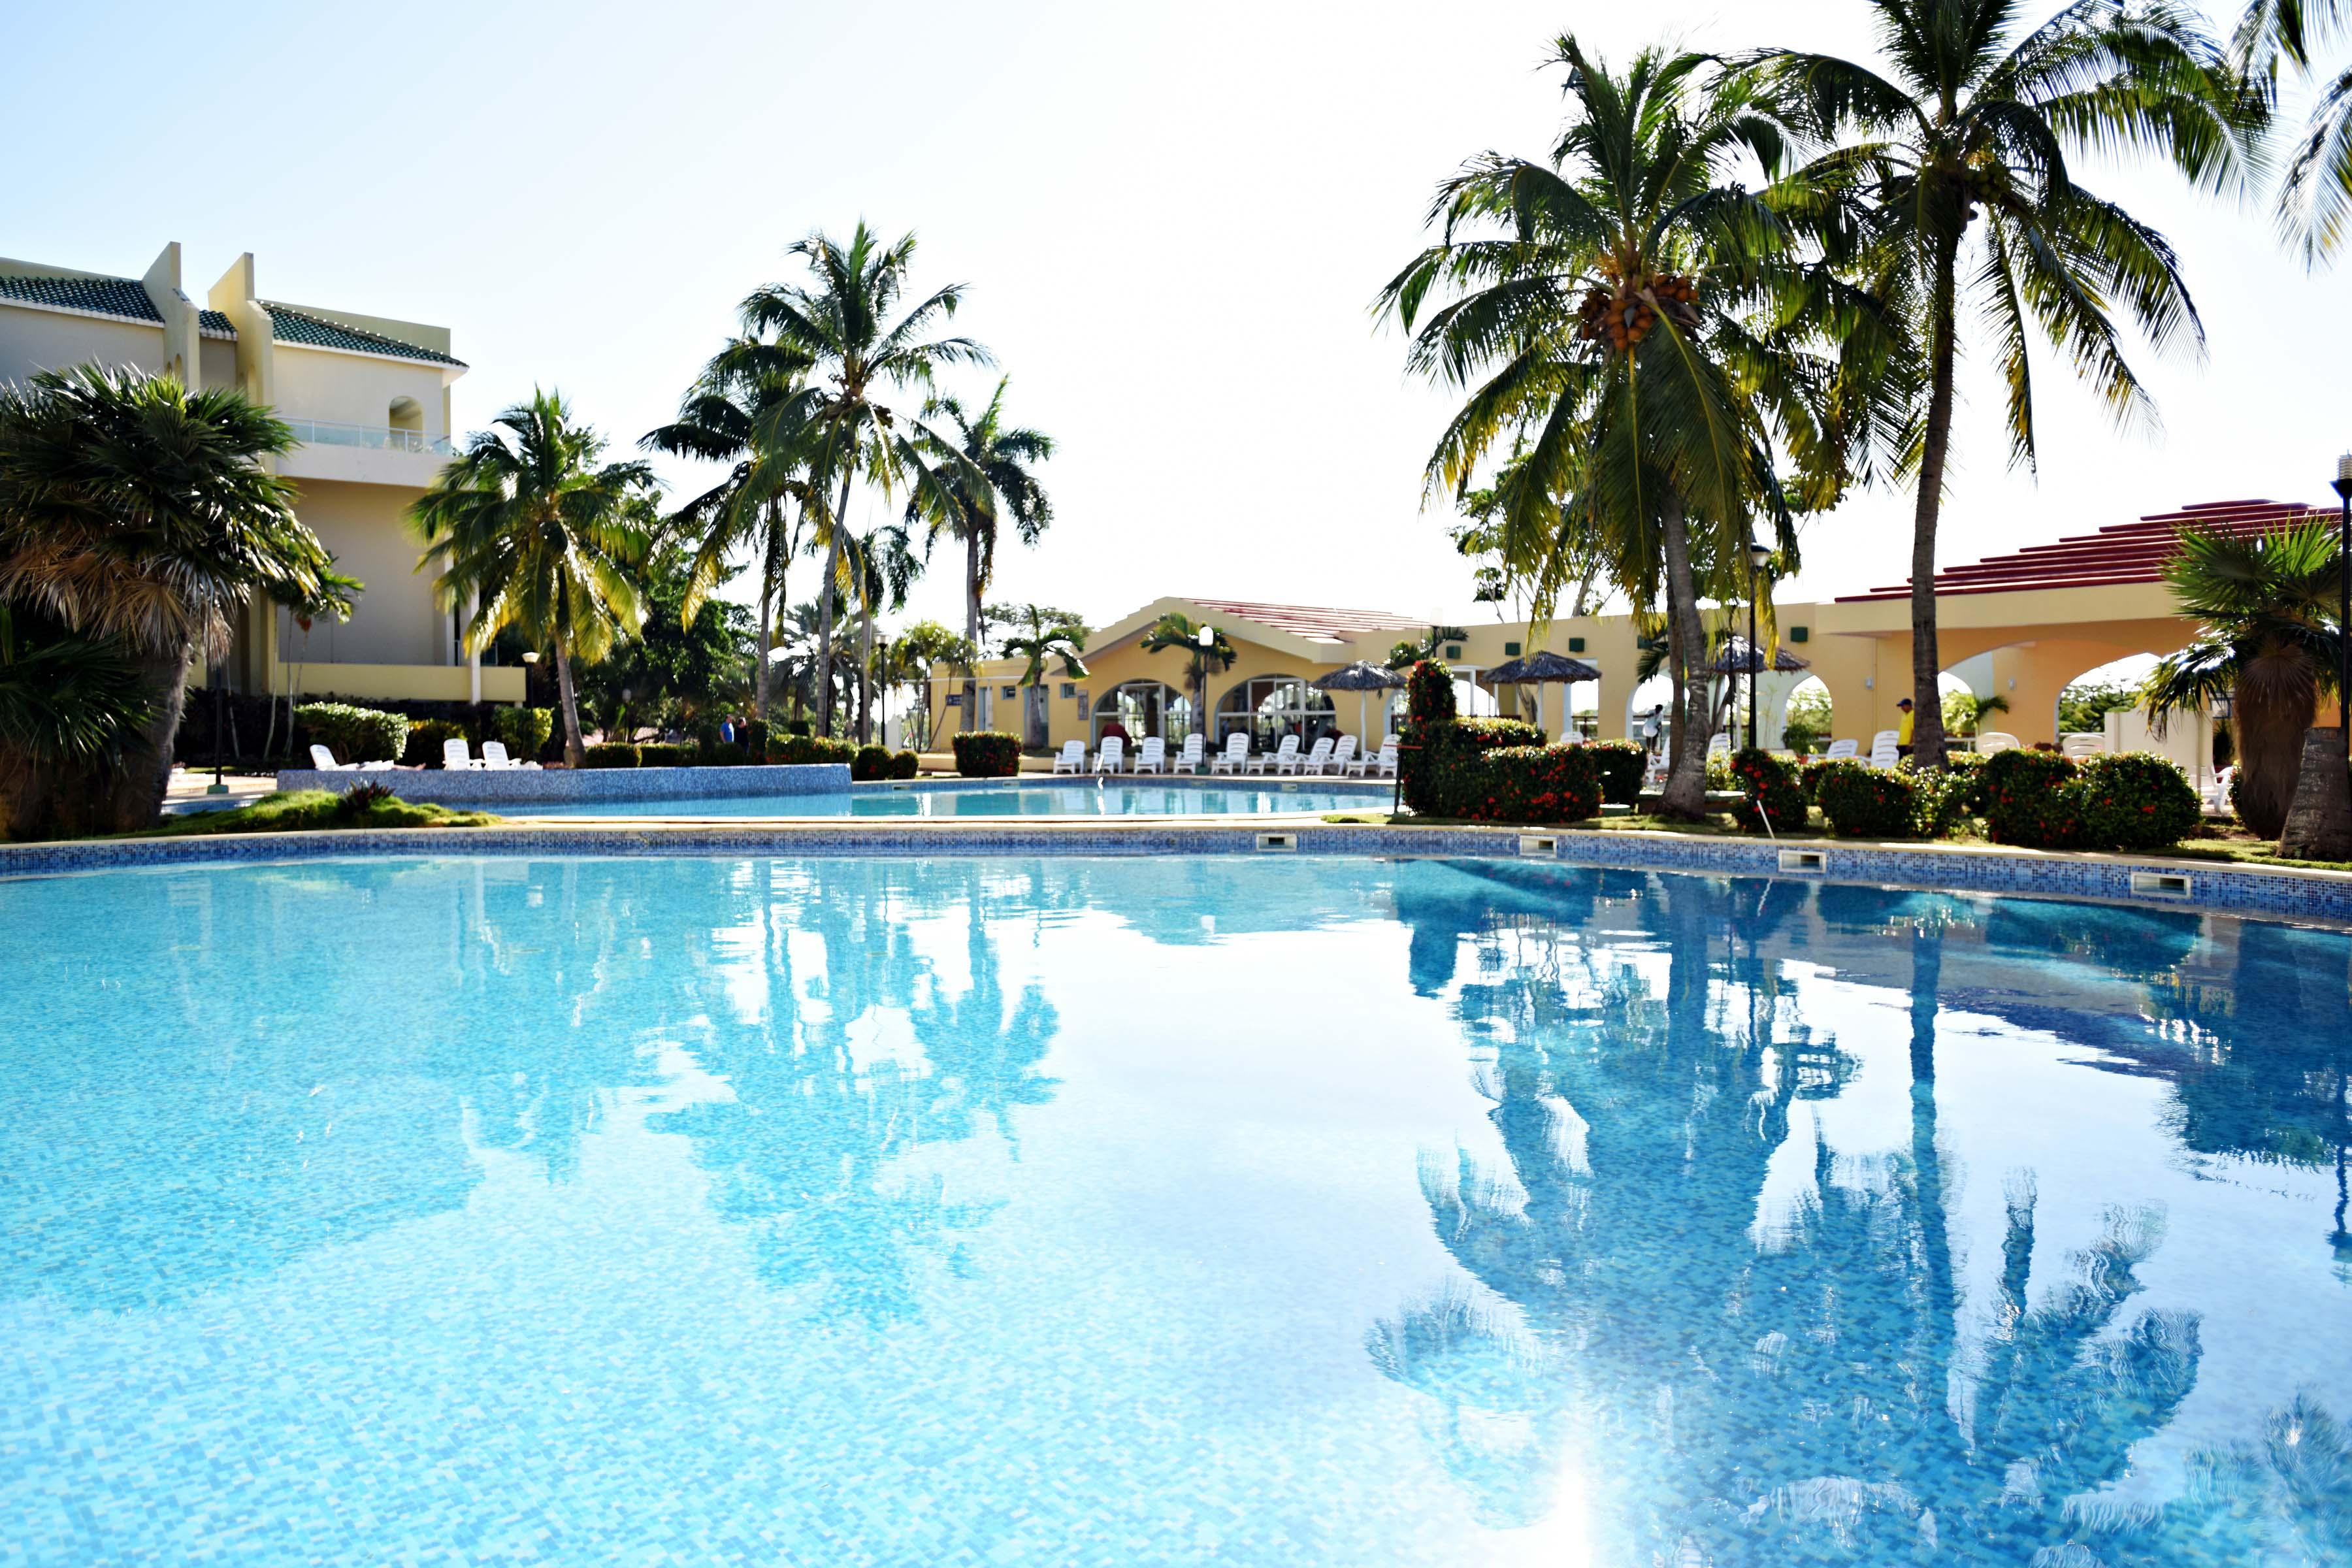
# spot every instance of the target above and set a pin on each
(1272, 706)
(1144, 709)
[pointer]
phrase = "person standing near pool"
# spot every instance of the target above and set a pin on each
(1903, 728)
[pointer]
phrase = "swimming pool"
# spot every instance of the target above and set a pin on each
(941, 800)
(1281, 1210)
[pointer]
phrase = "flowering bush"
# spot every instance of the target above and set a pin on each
(1809, 773)
(1438, 754)
(2044, 801)
(2027, 802)
(905, 764)
(987, 754)
(1522, 784)
(1429, 693)
(869, 764)
(1621, 765)
(1772, 790)
(1863, 802)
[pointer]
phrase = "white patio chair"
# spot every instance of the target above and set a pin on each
(455, 757)
(1152, 755)
(1236, 754)
(1286, 753)
(495, 758)
(2079, 746)
(1112, 758)
(1382, 765)
(1312, 763)
(1189, 759)
(1073, 759)
(1842, 749)
(324, 761)
(1341, 755)
(1994, 741)
(1885, 752)
(1718, 745)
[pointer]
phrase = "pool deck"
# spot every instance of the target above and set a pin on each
(2310, 897)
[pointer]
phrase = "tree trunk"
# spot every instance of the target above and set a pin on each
(135, 789)
(866, 672)
(971, 590)
(2319, 822)
(825, 607)
(767, 621)
(2269, 734)
(1686, 792)
(574, 752)
(1927, 661)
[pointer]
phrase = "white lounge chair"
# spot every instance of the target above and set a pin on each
(1992, 741)
(495, 758)
(2080, 745)
(1235, 756)
(1718, 745)
(324, 761)
(1112, 758)
(1073, 759)
(1287, 753)
(1341, 755)
(1189, 759)
(1380, 765)
(1152, 755)
(455, 757)
(1312, 763)
(1842, 749)
(1884, 751)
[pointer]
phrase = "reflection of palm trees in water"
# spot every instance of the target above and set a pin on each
(809, 1154)
(1756, 1403)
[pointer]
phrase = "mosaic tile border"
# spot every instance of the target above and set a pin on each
(528, 786)
(2320, 897)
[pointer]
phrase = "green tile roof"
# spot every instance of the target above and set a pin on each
(123, 297)
(300, 327)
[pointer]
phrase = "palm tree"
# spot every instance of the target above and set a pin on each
(747, 510)
(2268, 644)
(879, 565)
(135, 511)
(1405, 653)
(527, 530)
(331, 600)
(836, 429)
(1041, 638)
(1604, 324)
(1177, 630)
(1974, 119)
(926, 646)
(2315, 198)
(995, 480)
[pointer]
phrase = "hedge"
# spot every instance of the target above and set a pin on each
(1436, 752)
(1774, 794)
(1525, 785)
(723, 754)
(2042, 800)
(663, 755)
(1863, 801)
(870, 765)
(425, 738)
(987, 754)
(800, 750)
(524, 730)
(355, 734)
(905, 764)
(1622, 764)
(612, 754)
(1429, 693)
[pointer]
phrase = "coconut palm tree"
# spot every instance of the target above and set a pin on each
(762, 506)
(1176, 630)
(996, 481)
(1626, 308)
(1975, 118)
(2315, 196)
(1039, 637)
(878, 566)
(137, 513)
(836, 429)
(2268, 644)
(528, 529)
(1406, 653)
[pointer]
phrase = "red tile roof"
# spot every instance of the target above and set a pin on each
(1307, 621)
(2123, 553)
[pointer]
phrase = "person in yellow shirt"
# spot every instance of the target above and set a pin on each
(1903, 728)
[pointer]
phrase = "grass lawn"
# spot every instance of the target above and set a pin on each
(308, 810)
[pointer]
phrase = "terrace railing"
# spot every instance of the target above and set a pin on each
(374, 438)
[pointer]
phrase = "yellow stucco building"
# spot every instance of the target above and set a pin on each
(368, 399)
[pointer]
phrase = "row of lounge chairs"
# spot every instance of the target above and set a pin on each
(454, 755)
(1327, 757)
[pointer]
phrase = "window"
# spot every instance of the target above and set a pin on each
(1510, 650)
(1800, 634)
(1272, 706)
(1143, 709)
(1070, 688)
(1453, 650)
(1576, 645)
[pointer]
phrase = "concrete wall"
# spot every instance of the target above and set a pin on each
(396, 621)
(354, 389)
(32, 339)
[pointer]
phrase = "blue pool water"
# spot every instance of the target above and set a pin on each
(1025, 800)
(1310, 1211)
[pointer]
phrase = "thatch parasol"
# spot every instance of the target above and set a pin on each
(1360, 679)
(1541, 667)
(1738, 658)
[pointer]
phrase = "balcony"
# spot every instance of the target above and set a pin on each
(371, 437)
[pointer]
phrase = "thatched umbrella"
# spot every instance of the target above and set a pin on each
(1540, 668)
(1360, 678)
(1737, 657)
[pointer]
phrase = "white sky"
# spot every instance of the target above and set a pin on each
(1171, 218)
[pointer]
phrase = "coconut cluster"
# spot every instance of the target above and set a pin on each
(1625, 308)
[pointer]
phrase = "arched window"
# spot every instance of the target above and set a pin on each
(1143, 709)
(1272, 706)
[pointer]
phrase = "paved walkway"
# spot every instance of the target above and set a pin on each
(189, 788)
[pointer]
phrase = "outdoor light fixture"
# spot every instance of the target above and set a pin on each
(2344, 602)
(531, 657)
(1759, 558)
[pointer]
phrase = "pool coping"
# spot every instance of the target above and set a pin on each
(2310, 897)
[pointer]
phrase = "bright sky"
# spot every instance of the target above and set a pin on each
(1171, 218)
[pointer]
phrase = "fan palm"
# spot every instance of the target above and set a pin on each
(1976, 118)
(1625, 308)
(137, 513)
(1176, 630)
(839, 429)
(528, 530)
(747, 511)
(995, 480)
(2268, 644)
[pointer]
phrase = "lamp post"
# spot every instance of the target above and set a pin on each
(1205, 643)
(2344, 603)
(1758, 559)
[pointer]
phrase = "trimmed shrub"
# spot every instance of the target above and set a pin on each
(723, 754)
(1525, 785)
(799, 751)
(1809, 772)
(525, 731)
(1429, 693)
(2137, 801)
(425, 738)
(663, 755)
(355, 734)
(612, 754)
(2027, 802)
(870, 765)
(988, 754)
(797, 727)
(1863, 801)
(752, 735)
(1944, 801)
(1773, 792)
(905, 764)
(1621, 765)
(1435, 783)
